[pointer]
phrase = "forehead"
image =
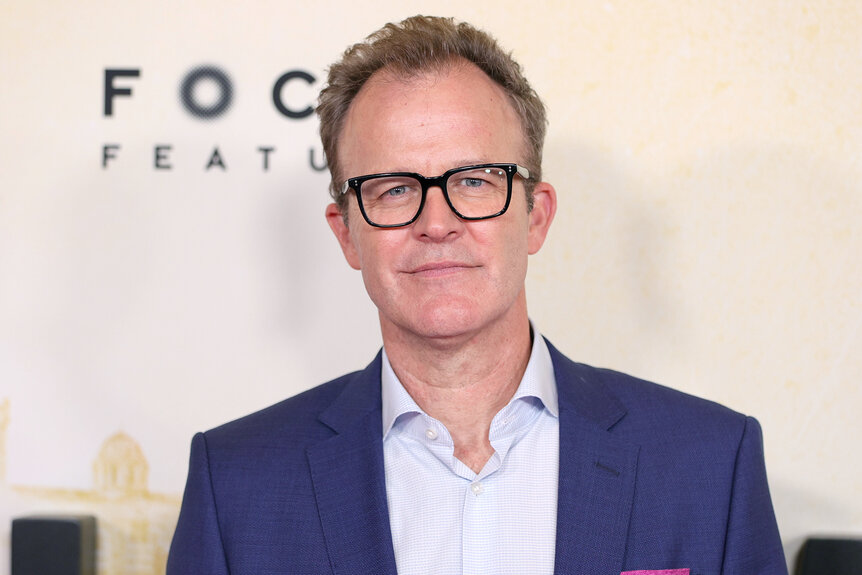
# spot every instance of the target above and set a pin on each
(429, 123)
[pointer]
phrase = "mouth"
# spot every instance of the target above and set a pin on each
(439, 269)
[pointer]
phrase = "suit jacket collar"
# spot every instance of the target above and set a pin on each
(580, 387)
(597, 473)
(348, 478)
(596, 478)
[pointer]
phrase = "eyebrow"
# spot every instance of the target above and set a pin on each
(473, 162)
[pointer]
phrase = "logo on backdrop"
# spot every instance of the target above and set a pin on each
(206, 93)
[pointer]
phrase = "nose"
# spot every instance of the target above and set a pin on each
(437, 220)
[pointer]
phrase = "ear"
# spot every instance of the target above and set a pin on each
(541, 216)
(336, 222)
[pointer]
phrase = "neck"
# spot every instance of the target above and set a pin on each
(464, 381)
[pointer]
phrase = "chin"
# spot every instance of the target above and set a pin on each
(449, 321)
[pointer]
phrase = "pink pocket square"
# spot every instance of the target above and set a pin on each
(657, 572)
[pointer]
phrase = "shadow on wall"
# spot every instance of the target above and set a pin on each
(307, 268)
(732, 245)
(596, 280)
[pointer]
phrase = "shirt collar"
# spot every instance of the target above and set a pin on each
(538, 381)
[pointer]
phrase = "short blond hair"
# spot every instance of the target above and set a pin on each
(415, 46)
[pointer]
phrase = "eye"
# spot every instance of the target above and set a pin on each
(481, 178)
(478, 181)
(388, 190)
(472, 182)
(394, 192)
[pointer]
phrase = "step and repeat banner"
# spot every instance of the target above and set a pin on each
(165, 265)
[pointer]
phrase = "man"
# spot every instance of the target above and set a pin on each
(470, 444)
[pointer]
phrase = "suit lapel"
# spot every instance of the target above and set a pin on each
(348, 477)
(597, 474)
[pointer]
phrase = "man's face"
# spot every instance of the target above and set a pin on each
(440, 277)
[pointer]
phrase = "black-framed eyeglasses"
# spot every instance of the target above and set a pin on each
(395, 199)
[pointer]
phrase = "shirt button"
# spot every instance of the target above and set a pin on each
(477, 488)
(431, 433)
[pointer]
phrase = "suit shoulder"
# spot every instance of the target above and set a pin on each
(657, 413)
(297, 415)
(654, 396)
(638, 406)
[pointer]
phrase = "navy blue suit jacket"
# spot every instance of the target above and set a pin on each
(650, 478)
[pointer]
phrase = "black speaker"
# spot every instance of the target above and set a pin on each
(54, 545)
(830, 557)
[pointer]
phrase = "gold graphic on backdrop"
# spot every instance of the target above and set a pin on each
(121, 468)
(134, 525)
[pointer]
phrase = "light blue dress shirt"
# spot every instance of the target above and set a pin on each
(446, 519)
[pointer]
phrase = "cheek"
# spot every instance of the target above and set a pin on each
(517, 251)
(375, 254)
(506, 252)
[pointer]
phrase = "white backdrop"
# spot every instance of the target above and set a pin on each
(706, 157)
